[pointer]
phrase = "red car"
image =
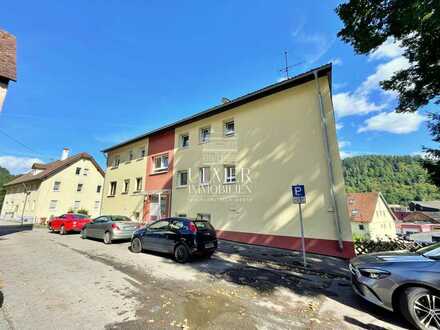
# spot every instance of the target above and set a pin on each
(68, 222)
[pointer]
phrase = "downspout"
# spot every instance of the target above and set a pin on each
(335, 210)
(104, 185)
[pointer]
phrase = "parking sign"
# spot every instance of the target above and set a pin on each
(299, 194)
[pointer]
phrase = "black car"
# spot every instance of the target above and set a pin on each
(181, 237)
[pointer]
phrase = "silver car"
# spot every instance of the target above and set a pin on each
(402, 281)
(110, 228)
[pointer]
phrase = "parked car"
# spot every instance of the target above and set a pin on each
(181, 237)
(69, 222)
(407, 282)
(110, 228)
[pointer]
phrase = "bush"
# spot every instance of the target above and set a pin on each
(83, 211)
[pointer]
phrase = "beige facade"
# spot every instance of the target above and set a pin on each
(278, 142)
(126, 163)
(77, 186)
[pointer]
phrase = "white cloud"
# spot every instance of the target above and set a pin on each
(389, 49)
(18, 165)
(345, 154)
(392, 122)
(339, 126)
(314, 45)
(343, 144)
(348, 104)
(336, 61)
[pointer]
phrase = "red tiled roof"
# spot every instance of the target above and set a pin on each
(7, 56)
(50, 169)
(361, 206)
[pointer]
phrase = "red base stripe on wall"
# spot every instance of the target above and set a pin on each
(313, 245)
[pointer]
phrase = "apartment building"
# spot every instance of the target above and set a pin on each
(51, 189)
(234, 165)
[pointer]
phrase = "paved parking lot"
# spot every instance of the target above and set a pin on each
(64, 282)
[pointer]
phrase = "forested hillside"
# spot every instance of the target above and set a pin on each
(400, 178)
(5, 176)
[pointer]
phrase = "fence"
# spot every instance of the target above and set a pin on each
(393, 244)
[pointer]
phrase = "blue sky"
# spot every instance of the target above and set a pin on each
(94, 73)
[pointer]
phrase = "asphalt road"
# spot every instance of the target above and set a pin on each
(64, 282)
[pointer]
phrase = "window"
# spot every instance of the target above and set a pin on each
(204, 175)
(78, 170)
(138, 184)
(361, 227)
(98, 189)
(86, 172)
(112, 188)
(160, 163)
(354, 212)
(182, 179)
(97, 204)
(142, 152)
(53, 205)
(181, 215)
(126, 186)
(204, 134)
(130, 155)
(184, 141)
(159, 225)
(56, 186)
(79, 187)
(230, 174)
(229, 128)
(116, 161)
(76, 205)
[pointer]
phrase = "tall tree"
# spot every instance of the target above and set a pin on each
(416, 25)
(5, 177)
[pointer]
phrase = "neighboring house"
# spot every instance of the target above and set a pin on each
(371, 217)
(422, 217)
(7, 63)
(426, 236)
(429, 206)
(419, 222)
(234, 165)
(51, 189)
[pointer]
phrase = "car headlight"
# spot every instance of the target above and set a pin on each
(374, 273)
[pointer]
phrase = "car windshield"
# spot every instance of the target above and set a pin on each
(431, 251)
(81, 216)
(120, 218)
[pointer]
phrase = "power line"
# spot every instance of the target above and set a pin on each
(19, 142)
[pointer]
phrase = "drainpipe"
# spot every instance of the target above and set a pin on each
(104, 184)
(335, 210)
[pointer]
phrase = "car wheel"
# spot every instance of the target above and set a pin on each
(83, 234)
(421, 307)
(181, 253)
(136, 245)
(50, 229)
(107, 238)
(62, 231)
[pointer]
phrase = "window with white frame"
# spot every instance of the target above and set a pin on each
(56, 186)
(229, 128)
(142, 152)
(184, 140)
(79, 188)
(182, 178)
(97, 204)
(205, 132)
(116, 161)
(230, 174)
(86, 172)
(160, 163)
(53, 204)
(130, 155)
(76, 205)
(126, 186)
(138, 184)
(112, 191)
(204, 175)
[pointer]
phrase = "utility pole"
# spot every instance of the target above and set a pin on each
(26, 194)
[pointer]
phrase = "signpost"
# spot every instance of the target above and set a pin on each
(299, 197)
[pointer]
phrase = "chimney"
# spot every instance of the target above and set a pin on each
(65, 153)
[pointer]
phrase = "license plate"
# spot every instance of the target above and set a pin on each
(209, 245)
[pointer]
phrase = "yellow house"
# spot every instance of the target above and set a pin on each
(125, 180)
(7, 63)
(234, 165)
(51, 189)
(371, 217)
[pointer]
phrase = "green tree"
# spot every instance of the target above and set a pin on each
(416, 25)
(5, 177)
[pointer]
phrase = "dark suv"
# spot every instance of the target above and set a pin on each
(181, 237)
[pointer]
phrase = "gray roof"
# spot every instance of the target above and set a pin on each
(430, 204)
